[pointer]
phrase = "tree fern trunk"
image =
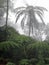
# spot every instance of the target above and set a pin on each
(29, 24)
(29, 30)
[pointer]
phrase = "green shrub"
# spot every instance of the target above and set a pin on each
(9, 49)
(2, 34)
(38, 50)
(24, 62)
(33, 61)
(6, 45)
(46, 60)
(41, 62)
(10, 63)
(46, 64)
(18, 47)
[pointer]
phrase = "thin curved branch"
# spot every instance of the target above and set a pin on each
(20, 15)
(19, 8)
(41, 18)
(41, 13)
(22, 22)
(41, 9)
(17, 13)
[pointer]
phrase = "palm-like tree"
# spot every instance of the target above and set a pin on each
(30, 11)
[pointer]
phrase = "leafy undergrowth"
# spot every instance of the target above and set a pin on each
(23, 50)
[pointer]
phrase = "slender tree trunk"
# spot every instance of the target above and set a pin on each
(6, 18)
(29, 30)
(29, 25)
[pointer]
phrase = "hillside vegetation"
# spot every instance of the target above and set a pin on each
(18, 49)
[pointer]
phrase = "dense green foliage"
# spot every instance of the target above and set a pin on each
(9, 63)
(22, 50)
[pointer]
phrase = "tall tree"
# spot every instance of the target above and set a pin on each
(5, 6)
(2, 20)
(30, 11)
(7, 17)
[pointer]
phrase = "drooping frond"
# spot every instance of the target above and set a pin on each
(22, 22)
(41, 13)
(17, 13)
(7, 45)
(22, 12)
(40, 18)
(42, 9)
(19, 9)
